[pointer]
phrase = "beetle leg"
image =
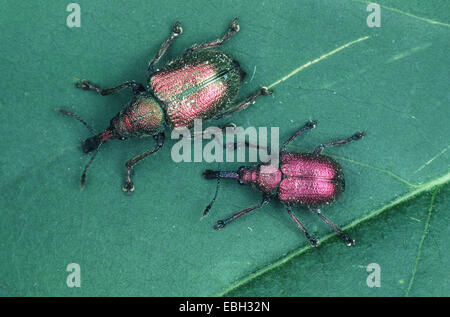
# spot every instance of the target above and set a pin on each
(348, 241)
(314, 242)
(247, 144)
(222, 223)
(357, 136)
(128, 186)
(308, 126)
(232, 145)
(176, 30)
(221, 128)
(232, 29)
(87, 85)
(247, 102)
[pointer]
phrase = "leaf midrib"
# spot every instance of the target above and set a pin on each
(425, 187)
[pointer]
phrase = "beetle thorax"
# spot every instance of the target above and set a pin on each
(143, 117)
(266, 177)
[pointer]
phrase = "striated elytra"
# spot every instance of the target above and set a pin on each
(201, 84)
(306, 179)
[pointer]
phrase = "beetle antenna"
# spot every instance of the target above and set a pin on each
(73, 115)
(206, 211)
(209, 174)
(83, 176)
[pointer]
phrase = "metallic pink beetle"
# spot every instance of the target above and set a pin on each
(308, 179)
(201, 84)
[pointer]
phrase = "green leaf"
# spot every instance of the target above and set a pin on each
(405, 241)
(322, 61)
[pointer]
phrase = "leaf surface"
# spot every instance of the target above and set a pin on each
(322, 61)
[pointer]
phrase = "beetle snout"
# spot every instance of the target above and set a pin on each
(91, 144)
(210, 174)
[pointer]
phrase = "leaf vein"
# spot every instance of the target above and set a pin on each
(324, 56)
(407, 14)
(432, 159)
(436, 183)
(419, 248)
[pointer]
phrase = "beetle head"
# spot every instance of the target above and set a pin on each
(90, 144)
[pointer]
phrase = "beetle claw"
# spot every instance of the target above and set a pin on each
(84, 84)
(311, 124)
(234, 26)
(348, 241)
(219, 225)
(128, 187)
(266, 91)
(177, 29)
(314, 242)
(358, 135)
